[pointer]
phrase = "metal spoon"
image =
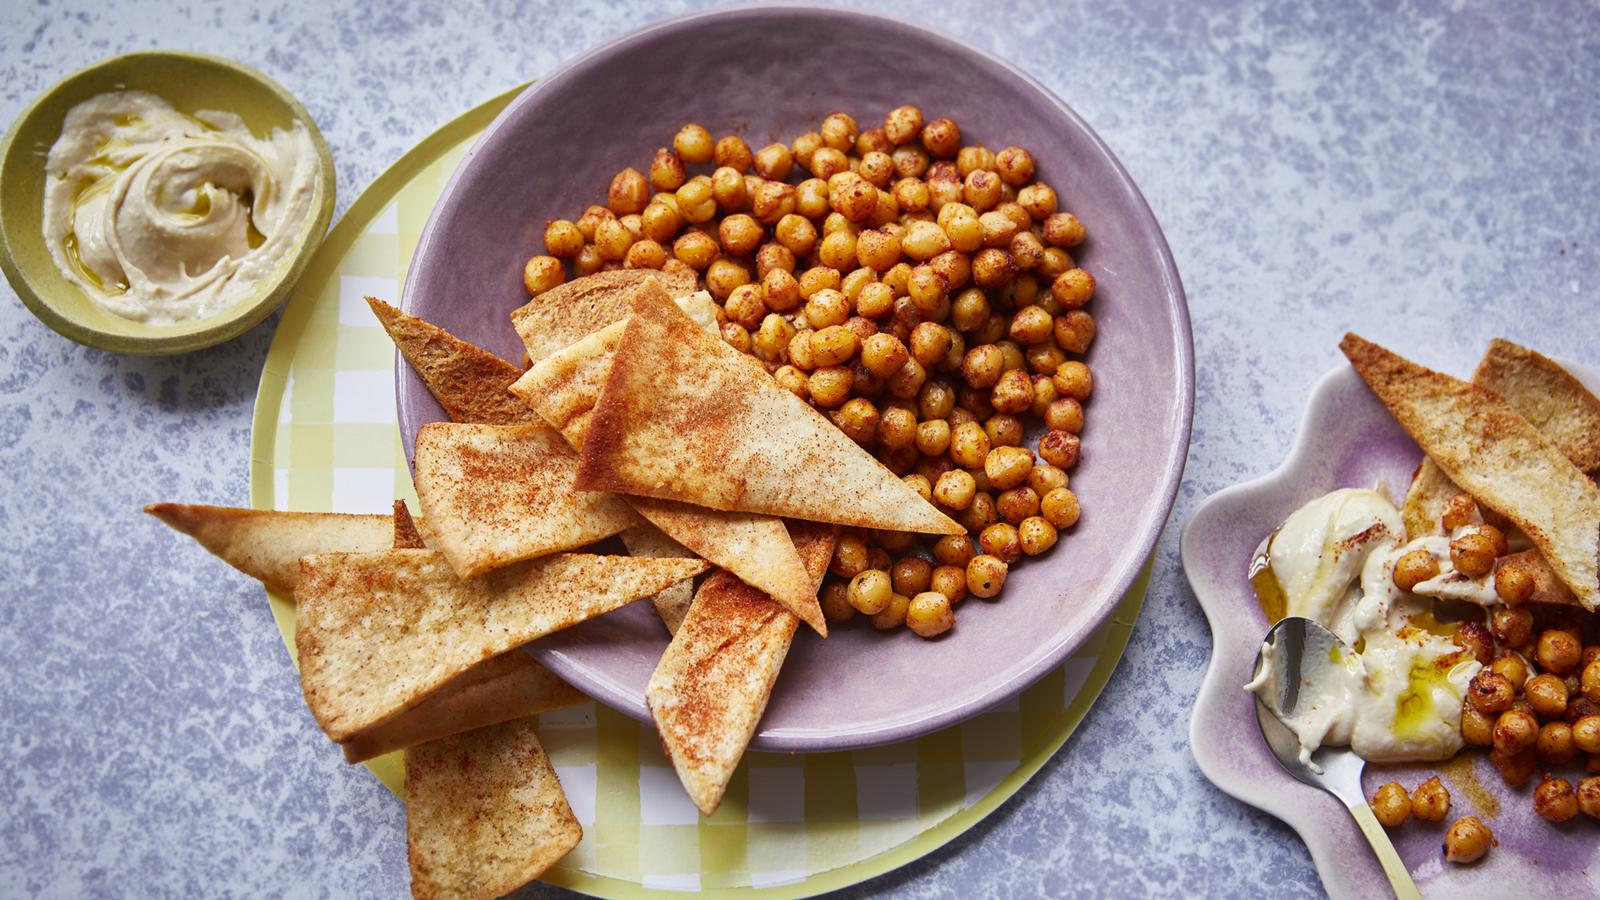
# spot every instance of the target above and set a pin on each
(1296, 640)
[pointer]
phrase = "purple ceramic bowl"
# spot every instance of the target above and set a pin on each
(1348, 439)
(770, 73)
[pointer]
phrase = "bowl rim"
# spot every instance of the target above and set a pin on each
(231, 322)
(1143, 539)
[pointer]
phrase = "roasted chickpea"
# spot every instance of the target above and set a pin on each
(923, 241)
(827, 307)
(883, 354)
(875, 299)
(1064, 230)
(911, 575)
(1586, 734)
(1589, 680)
(1004, 430)
(1066, 414)
(1075, 331)
(793, 380)
(1472, 554)
(1015, 505)
(1013, 393)
(1430, 802)
(1038, 199)
(969, 445)
(835, 602)
(1512, 668)
(941, 137)
(1007, 467)
(929, 614)
(1036, 534)
(1515, 731)
(992, 268)
(1414, 568)
(1555, 800)
(858, 419)
(981, 190)
(905, 383)
(1002, 541)
(980, 515)
(830, 386)
(1073, 379)
(612, 239)
(1015, 166)
(645, 254)
(1044, 478)
(1474, 637)
(1547, 694)
(737, 336)
(541, 274)
(1468, 840)
(562, 239)
(1490, 693)
(852, 196)
(588, 261)
(903, 124)
(849, 556)
(928, 289)
(629, 192)
(870, 589)
(693, 144)
(733, 152)
(1589, 797)
(1060, 449)
(780, 291)
(1555, 744)
(1060, 507)
(1031, 325)
(983, 366)
(893, 615)
(955, 489)
(986, 575)
(1513, 627)
(832, 345)
(1558, 651)
(1476, 727)
(1391, 805)
(998, 229)
(819, 278)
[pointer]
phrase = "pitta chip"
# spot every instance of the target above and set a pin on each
(671, 604)
(266, 544)
(686, 417)
(1556, 404)
(709, 690)
(467, 380)
(754, 547)
(406, 535)
(379, 633)
(568, 312)
(485, 813)
(1483, 445)
(499, 689)
(492, 495)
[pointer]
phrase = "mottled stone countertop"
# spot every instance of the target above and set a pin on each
(1425, 171)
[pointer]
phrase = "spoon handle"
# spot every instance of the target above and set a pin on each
(1399, 878)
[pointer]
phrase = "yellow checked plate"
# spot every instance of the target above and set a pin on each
(326, 438)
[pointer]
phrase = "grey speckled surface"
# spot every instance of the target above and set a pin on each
(1425, 172)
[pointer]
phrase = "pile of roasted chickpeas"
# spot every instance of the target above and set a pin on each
(1536, 702)
(920, 293)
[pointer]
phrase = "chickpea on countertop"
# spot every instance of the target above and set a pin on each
(920, 293)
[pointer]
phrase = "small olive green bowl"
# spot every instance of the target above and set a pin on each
(191, 82)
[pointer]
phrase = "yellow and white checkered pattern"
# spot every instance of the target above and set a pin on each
(326, 438)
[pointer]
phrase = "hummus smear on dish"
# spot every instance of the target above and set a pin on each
(1398, 696)
(164, 217)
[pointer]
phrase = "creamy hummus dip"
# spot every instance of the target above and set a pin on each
(1397, 695)
(164, 217)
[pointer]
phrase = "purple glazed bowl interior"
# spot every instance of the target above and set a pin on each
(770, 74)
(1348, 439)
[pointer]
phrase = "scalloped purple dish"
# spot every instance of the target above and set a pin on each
(1347, 439)
(758, 72)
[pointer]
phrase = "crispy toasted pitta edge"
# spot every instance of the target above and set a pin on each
(756, 548)
(485, 813)
(1493, 453)
(467, 380)
(378, 633)
(714, 680)
(499, 689)
(406, 535)
(672, 604)
(683, 416)
(267, 544)
(568, 312)
(493, 495)
(1558, 406)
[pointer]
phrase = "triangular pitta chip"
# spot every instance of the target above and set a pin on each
(709, 690)
(671, 604)
(267, 544)
(754, 547)
(492, 495)
(379, 633)
(406, 535)
(499, 689)
(1495, 455)
(467, 380)
(585, 305)
(1556, 404)
(485, 813)
(686, 417)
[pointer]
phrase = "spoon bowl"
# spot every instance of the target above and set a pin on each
(1298, 648)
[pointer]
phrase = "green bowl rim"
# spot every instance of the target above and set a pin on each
(243, 316)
